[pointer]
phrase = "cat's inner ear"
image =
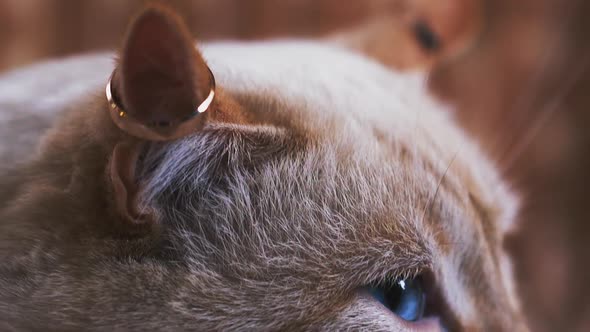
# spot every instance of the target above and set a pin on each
(125, 187)
(162, 87)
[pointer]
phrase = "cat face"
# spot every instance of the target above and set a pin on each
(417, 33)
(318, 191)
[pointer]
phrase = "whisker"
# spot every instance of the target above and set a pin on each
(526, 99)
(515, 152)
(511, 153)
(430, 203)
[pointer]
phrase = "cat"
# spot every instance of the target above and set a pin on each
(267, 186)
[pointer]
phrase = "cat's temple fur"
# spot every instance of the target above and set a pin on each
(316, 173)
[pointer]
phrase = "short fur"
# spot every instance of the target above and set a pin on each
(345, 173)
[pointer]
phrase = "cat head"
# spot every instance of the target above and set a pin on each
(419, 34)
(317, 190)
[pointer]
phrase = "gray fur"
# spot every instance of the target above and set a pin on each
(274, 226)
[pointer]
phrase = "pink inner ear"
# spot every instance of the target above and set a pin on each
(162, 76)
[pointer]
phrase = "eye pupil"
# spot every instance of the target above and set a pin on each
(404, 297)
(426, 37)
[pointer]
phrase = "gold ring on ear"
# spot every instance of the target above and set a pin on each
(207, 102)
(130, 125)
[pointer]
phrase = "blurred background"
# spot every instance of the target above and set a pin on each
(523, 91)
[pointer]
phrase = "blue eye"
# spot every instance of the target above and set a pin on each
(404, 297)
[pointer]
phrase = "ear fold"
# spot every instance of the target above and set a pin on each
(162, 85)
(125, 188)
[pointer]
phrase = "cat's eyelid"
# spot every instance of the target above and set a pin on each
(403, 274)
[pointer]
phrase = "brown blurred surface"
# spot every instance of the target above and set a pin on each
(35, 29)
(524, 93)
(530, 70)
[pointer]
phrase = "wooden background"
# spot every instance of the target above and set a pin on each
(524, 92)
(34, 29)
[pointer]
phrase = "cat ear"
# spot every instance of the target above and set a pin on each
(161, 90)
(125, 188)
(162, 87)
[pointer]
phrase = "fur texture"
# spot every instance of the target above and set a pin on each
(345, 174)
